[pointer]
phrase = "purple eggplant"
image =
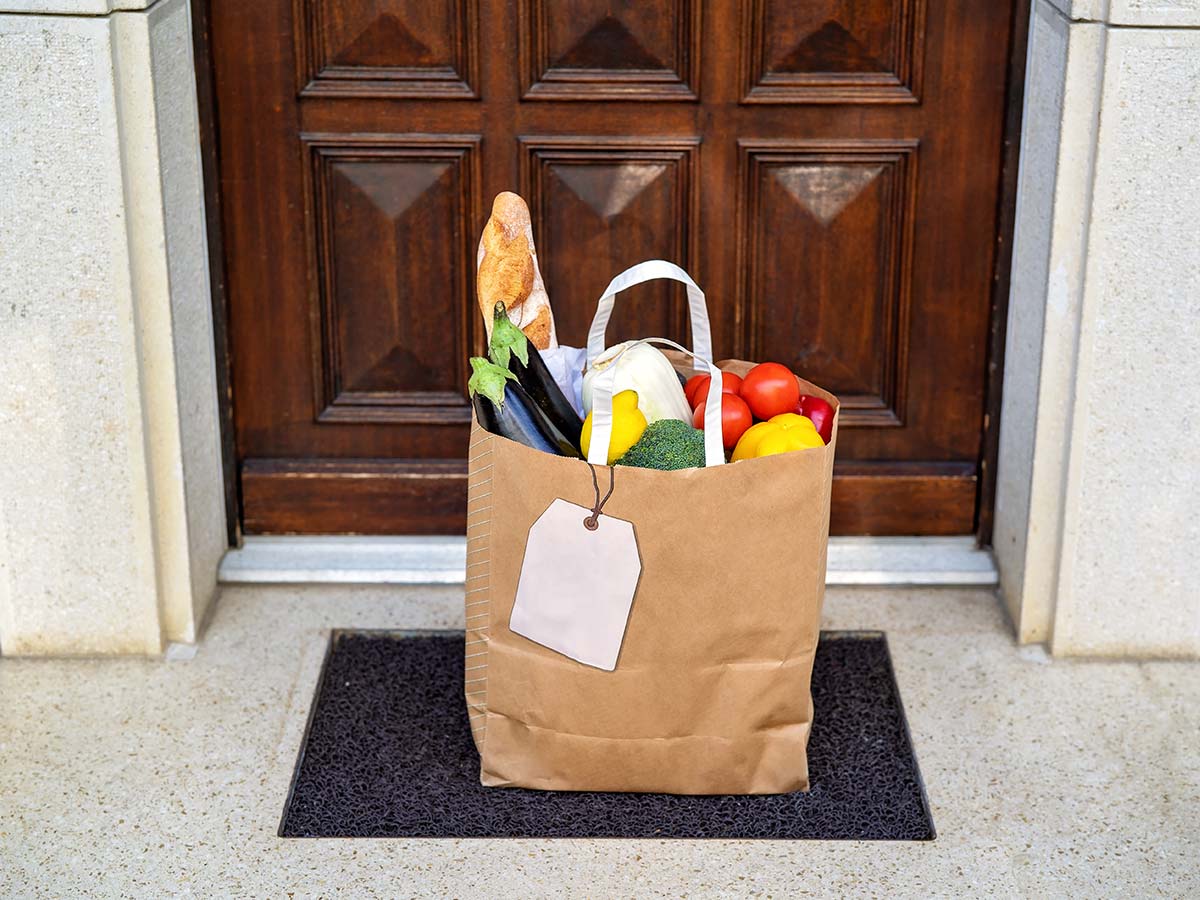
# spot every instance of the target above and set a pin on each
(511, 349)
(503, 407)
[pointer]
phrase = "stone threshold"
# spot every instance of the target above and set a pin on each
(340, 559)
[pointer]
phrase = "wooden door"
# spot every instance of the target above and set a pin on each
(828, 170)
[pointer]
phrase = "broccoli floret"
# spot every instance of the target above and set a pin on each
(666, 445)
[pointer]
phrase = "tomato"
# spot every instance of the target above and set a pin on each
(770, 389)
(735, 418)
(819, 411)
(696, 388)
(689, 389)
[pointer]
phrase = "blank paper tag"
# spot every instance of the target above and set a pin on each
(576, 585)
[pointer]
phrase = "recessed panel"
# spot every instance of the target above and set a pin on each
(833, 51)
(599, 206)
(392, 237)
(826, 277)
(415, 48)
(595, 49)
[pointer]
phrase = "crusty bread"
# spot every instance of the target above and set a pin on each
(508, 271)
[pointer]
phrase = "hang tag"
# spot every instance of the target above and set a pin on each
(577, 584)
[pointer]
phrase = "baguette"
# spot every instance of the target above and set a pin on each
(508, 271)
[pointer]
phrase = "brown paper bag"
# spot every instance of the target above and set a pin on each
(710, 694)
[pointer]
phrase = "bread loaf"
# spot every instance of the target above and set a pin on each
(508, 271)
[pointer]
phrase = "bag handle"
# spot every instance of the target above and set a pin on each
(602, 388)
(649, 271)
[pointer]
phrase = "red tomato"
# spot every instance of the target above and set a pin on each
(696, 388)
(689, 389)
(770, 389)
(819, 411)
(735, 418)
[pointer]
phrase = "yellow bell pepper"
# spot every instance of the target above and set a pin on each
(628, 424)
(779, 434)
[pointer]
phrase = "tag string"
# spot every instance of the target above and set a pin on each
(592, 522)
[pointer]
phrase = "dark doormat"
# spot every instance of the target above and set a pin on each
(388, 753)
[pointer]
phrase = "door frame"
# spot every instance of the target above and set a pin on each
(206, 102)
(1005, 221)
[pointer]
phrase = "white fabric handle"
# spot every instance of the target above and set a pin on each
(649, 271)
(602, 388)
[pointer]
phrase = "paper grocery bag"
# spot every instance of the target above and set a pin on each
(710, 690)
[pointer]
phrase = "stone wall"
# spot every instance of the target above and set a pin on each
(111, 518)
(1099, 480)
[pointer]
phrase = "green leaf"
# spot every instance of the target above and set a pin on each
(507, 338)
(488, 379)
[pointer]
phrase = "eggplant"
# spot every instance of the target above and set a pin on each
(544, 391)
(503, 407)
(510, 348)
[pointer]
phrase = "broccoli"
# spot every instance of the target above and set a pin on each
(666, 445)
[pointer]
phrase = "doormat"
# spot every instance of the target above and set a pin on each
(388, 753)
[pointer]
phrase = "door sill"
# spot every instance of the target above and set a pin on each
(341, 559)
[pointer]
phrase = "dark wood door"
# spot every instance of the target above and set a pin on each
(828, 170)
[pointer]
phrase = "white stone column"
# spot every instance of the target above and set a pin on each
(1098, 488)
(111, 512)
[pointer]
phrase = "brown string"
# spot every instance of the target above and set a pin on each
(592, 522)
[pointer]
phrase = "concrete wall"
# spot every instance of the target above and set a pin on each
(1099, 480)
(111, 519)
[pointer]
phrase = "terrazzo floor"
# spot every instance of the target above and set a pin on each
(152, 778)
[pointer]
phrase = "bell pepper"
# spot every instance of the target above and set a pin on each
(779, 434)
(628, 423)
(819, 411)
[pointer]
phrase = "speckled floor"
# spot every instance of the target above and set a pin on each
(1047, 778)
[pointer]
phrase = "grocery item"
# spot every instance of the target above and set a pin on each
(770, 389)
(646, 370)
(819, 411)
(503, 407)
(735, 417)
(629, 422)
(508, 272)
(779, 434)
(666, 445)
(510, 348)
(549, 586)
(696, 388)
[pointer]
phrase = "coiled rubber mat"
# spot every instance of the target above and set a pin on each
(388, 753)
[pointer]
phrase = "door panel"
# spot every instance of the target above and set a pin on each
(393, 262)
(389, 48)
(827, 170)
(827, 267)
(833, 51)
(601, 205)
(597, 49)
